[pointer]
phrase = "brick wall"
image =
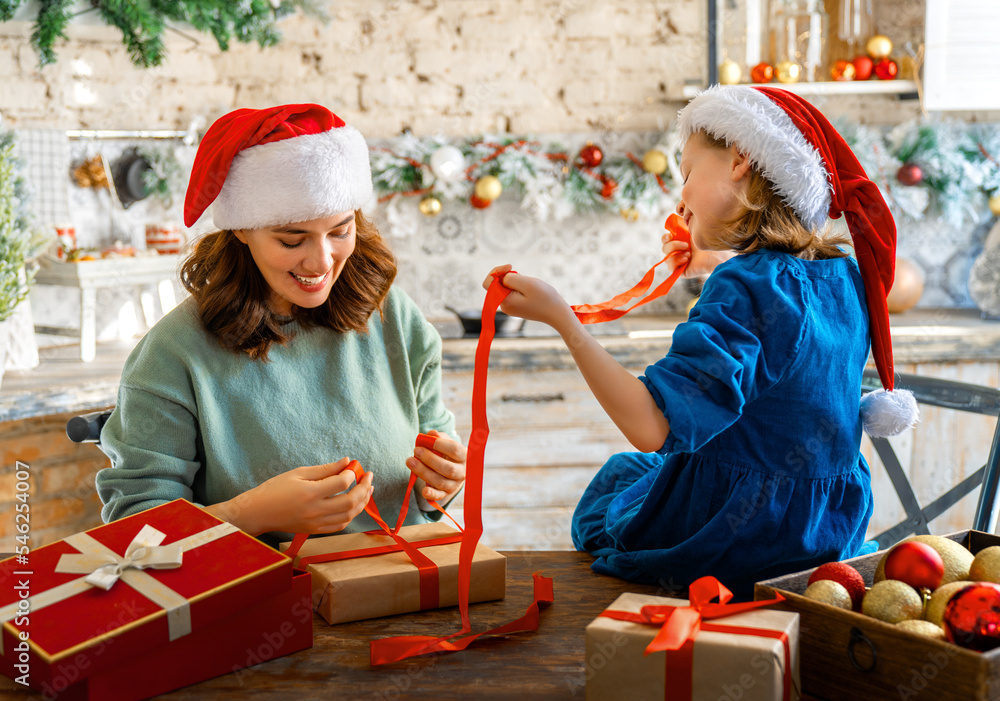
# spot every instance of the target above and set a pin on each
(61, 493)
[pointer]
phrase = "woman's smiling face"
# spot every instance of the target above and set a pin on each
(301, 261)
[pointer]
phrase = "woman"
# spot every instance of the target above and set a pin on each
(253, 395)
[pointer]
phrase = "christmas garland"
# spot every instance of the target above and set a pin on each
(19, 239)
(946, 169)
(143, 23)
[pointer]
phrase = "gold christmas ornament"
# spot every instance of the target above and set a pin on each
(907, 286)
(926, 628)
(630, 214)
(730, 72)
(488, 187)
(430, 206)
(934, 611)
(879, 46)
(995, 205)
(986, 566)
(788, 72)
(829, 592)
(957, 560)
(654, 161)
(892, 601)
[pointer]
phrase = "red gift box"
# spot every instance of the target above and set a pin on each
(170, 571)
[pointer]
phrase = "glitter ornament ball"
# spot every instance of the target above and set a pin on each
(925, 628)
(788, 72)
(879, 46)
(986, 566)
(762, 73)
(910, 174)
(972, 617)
(430, 206)
(654, 161)
(488, 187)
(892, 601)
(886, 69)
(842, 70)
(846, 576)
(591, 156)
(730, 72)
(862, 67)
(829, 592)
(934, 609)
(917, 564)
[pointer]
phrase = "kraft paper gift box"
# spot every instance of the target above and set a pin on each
(362, 586)
(739, 666)
(170, 572)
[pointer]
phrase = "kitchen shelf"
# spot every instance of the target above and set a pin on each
(902, 88)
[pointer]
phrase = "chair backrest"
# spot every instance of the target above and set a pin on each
(947, 394)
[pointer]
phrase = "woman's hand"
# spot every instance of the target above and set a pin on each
(530, 298)
(441, 471)
(303, 500)
(699, 262)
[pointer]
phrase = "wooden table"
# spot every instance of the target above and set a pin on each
(547, 664)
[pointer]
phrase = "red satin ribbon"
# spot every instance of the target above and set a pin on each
(680, 625)
(397, 648)
(606, 311)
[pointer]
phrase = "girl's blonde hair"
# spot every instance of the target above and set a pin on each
(767, 222)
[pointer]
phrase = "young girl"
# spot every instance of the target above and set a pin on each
(253, 394)
(750, 427)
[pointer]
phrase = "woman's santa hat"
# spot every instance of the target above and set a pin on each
(278, 165)
(815, 173)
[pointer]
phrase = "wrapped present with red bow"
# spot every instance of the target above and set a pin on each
(681, 650)
(152, 602)
(357, 576)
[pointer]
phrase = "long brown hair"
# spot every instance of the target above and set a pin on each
(767, 222)
(233, 297)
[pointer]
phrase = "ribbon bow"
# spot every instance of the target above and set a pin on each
(103, 569)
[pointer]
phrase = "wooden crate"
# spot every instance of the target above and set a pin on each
(846, 655)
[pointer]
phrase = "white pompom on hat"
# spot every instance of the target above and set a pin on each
(815, 173)
(278, 165)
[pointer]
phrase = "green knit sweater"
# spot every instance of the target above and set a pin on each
(199, 422)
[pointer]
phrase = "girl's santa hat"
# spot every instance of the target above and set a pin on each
(816, 174)
(278, 165)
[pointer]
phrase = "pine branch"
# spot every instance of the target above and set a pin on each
(8, 8)
(141, 26)
(53, 17)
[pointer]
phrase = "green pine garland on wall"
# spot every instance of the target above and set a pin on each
(143, 22)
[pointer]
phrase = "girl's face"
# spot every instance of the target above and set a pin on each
(301, 261)
(713, 179)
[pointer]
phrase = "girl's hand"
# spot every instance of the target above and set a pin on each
(530, 298)
(441, 471)
(303, 500)
(701, 262)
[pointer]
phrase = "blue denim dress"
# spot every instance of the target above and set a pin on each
(761, 473)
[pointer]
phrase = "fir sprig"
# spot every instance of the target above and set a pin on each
(14, 239)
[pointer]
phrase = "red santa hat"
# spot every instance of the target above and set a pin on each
(815, 173)
(276, 166)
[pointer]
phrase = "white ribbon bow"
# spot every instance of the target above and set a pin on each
(103, 569)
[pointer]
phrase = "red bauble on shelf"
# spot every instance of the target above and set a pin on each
(886, 69)
(480, 202)
(862, 67)
(842, 70)
(591, 156)
(972, 617)
(762, 73)
(608, 188)
(910, 174)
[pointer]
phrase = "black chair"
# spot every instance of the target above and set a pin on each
(949, 395)
(86, 428)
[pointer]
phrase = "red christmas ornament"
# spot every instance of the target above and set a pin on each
(842, 70)
(886, 69)
(915, 563)
(972, 617)
(762, 73)
(591, 156)
(862, 67)
(846, 576)
(609, 187)
(909, 174)
(480, 202)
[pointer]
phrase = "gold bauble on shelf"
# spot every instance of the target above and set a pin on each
(730, 72)
(630, 214)
(907, 287)
(995, 205)
(430, 206)
(879, 46)
(788, 72)
(654, 161)
(488, 187)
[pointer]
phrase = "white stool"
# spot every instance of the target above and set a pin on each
(147, 272)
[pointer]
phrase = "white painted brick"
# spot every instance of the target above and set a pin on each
(590, 20)
(8, 59)
(191, 64)
(18, 93)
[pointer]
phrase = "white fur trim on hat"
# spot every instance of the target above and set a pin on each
(764, 132)
(295, 179)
